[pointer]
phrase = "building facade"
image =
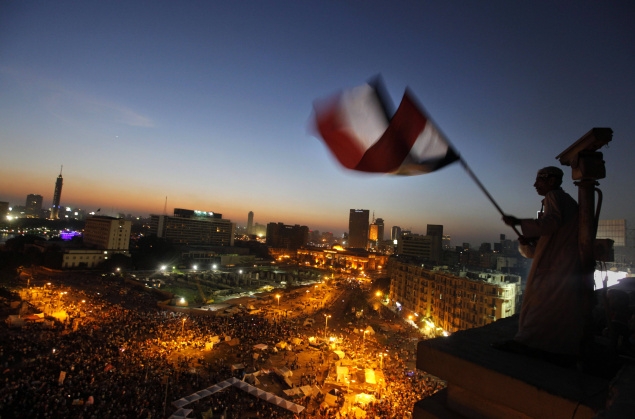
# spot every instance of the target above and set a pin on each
(358, 223)
(395, 233)
(250, 222)
(428, 247)
(343, 260)
(192, 227)
(107, 233)
(291, 237)
(33, 207)
(452, 301)
(623, 249)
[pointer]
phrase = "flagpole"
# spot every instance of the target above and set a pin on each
(480, 185)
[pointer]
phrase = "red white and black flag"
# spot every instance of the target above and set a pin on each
(356, 126)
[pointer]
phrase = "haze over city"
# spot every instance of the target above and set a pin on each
(210, 104)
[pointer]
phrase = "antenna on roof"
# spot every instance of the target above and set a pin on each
(165, 207)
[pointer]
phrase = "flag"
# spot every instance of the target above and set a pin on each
(356, 127)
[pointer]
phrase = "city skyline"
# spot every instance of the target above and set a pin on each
(210, 105)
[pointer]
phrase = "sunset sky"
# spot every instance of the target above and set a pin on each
(209, 104)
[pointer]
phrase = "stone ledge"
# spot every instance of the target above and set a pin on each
(487, 383)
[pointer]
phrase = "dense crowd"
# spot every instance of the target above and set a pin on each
(123, 361)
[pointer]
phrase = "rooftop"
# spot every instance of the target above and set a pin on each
(484, 382)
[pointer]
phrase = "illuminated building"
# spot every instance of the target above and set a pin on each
(57, 196)
(358, 222)
(343, 259)
(453, 301)
(395, 233)
(623, 249)
(192, 227)
(107, 233)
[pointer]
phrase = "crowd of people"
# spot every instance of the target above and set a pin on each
(127, 358)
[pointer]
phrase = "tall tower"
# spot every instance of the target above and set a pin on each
(57, 196)
(250, 222)
(358, 228)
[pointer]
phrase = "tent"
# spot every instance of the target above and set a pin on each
(236, 367)
(342, 373)
(330, 399)
(282, 344)
(369, 330)
(369, 375)
(296, 341)
(364, 398)
(306, 390)
(13, 320)
(260, 347)
(340, 354)
(283, 372)
(294, 392)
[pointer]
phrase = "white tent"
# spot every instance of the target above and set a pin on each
(342, 373)
(369, 375)
(364, 398)
(340, 354)
(260, 347)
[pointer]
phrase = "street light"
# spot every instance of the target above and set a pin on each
(326, 323)
(381, 360)
(183, 327)
(278, 297)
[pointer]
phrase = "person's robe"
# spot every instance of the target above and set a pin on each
(551, 316)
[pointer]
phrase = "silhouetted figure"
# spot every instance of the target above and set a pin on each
(552, 316)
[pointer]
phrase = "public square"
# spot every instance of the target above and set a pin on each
(116, 350)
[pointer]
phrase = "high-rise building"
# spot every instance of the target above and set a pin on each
(428, 247)
(358, 223)
(191, 227)
(107, 233)
(283, 236)
(33, 205)
(376, 233)
(395, 233)
(250, 222)
(57, 196)
(436, 232)
(380, 229)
